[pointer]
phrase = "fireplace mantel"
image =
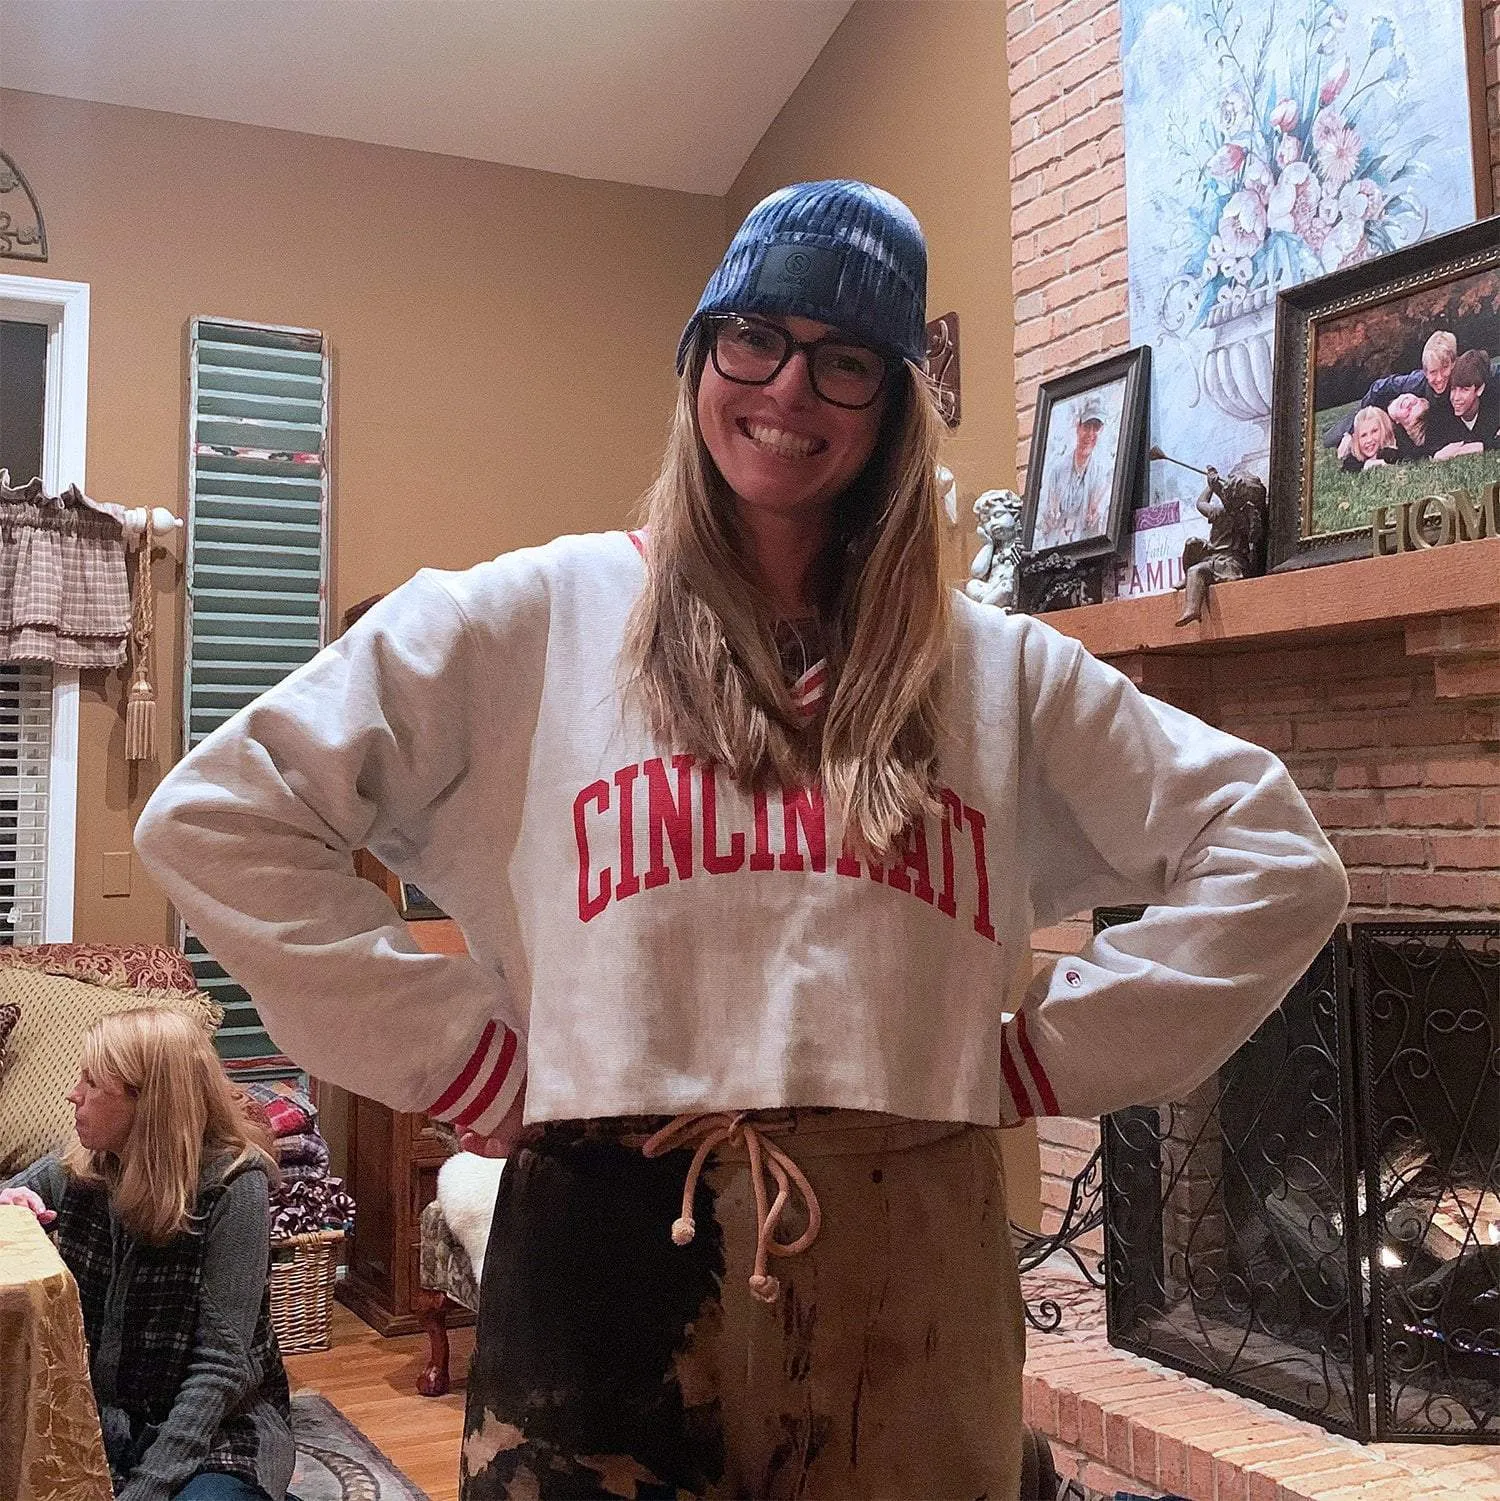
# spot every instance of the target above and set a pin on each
(1444, 600)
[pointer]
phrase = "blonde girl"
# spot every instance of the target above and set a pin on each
(161, 1211)
(1372, 440)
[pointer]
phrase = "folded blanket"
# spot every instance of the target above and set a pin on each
(287, 1107)
(302, 1205)
(305, 1149)
(295, 1171)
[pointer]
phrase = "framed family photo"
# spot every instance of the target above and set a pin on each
(1088, 458)
(1387, 389)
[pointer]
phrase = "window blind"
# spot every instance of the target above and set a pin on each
(257, 559)
(25, 762)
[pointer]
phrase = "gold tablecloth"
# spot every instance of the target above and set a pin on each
(50, 1446)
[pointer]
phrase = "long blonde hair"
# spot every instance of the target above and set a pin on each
(185, 1111)
(701, 642)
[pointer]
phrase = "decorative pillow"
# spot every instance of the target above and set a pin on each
(56, 1013)
(10, 1014)
(467, 1185)
(123, 966)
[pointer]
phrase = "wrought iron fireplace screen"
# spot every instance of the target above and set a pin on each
(1318, 1227)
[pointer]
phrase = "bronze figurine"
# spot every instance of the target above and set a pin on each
(1237, 512)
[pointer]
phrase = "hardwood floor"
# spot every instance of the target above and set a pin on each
(373, 1382)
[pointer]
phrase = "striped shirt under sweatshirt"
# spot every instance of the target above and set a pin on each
(646, 938)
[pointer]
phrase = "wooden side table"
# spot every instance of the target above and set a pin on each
(52, 1444)
(393, 1165)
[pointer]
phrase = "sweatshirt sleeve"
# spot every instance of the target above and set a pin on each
(47, 1178)
(1128, 800)
(251, 837)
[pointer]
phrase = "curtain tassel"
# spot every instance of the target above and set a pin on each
(140, 698)
(140, 720)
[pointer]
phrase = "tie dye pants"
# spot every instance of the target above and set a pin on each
(611, 1362)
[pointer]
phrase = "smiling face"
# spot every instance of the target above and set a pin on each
(1465, 400)
(780, 447)
(103, 1112)
(1437, 370)
(1088, 438)
(1371, 433)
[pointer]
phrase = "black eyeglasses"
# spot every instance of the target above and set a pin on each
(752, 353)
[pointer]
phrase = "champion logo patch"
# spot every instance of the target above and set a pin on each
(808, 272)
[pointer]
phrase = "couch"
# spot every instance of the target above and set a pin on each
(50, 995)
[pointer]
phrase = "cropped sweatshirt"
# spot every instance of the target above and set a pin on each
(646, 937)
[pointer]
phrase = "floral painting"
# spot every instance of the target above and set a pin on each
(1268, 142)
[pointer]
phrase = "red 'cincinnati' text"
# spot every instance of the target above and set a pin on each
(686, 827)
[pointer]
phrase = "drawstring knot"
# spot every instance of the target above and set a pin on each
(715, 1130)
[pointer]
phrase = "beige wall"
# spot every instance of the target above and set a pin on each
(912, 97)
(502, 354)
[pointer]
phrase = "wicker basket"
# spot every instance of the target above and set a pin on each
(302, 1268)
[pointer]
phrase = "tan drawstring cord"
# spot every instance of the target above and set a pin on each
(715, 1130)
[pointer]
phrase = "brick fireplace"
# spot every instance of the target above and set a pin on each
(1399, 761)
(1379, 686)
(1378, 683)
(1117, 1421)
(1388, 719)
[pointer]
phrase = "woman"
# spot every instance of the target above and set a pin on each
(747, 819)
(1372, 442)
(161, 1214)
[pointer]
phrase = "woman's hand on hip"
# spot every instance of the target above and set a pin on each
(28, 1199)
(501, 1142)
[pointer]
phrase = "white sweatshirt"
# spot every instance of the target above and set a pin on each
(644, 938)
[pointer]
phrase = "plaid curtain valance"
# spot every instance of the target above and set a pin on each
(64, 594)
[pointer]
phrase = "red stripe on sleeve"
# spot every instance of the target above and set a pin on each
(460, 1086)
(481, 1101)
(1034, 1067)
(1019, 1097)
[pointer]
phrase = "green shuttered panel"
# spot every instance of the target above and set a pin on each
(257, 560)
(25, 764)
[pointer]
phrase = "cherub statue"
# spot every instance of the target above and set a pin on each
(993, 573)
(1236, 511)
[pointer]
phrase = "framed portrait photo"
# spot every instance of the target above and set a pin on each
(1088, 458)
(1387, 388)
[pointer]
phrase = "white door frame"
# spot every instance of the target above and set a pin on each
(64, 307)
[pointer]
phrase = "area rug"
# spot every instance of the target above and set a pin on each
(336, 1462)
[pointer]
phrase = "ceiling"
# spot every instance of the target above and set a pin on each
(664, 93)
